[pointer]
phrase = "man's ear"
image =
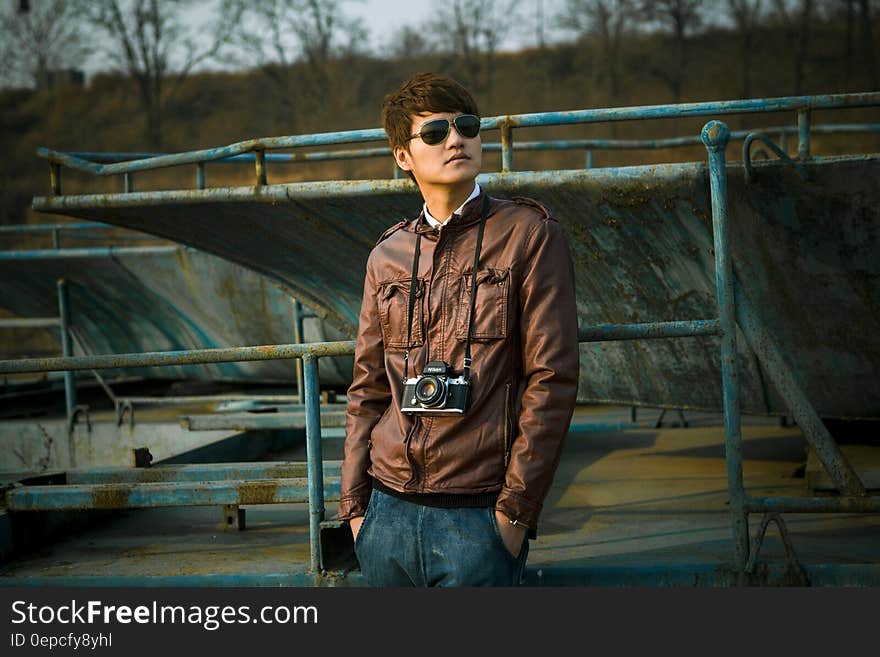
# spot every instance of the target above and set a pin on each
(403, 158)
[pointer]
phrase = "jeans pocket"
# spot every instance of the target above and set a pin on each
(499, 540)
(364, 524)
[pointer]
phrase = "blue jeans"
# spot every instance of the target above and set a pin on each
(405, 544)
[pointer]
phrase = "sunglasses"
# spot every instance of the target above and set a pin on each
(436, 131)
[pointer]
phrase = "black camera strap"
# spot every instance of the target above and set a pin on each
(413, 289)
(467, 344)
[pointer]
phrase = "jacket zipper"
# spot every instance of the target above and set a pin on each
(414, 476)
(506, 424)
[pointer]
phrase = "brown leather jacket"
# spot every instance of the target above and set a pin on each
(525, 360)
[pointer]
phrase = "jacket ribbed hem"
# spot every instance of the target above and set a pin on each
(441, 500)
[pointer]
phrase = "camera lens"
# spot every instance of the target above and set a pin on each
(430, 391)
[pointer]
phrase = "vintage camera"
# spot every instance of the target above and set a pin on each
(435, 391)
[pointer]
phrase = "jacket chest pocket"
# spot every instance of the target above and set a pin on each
(394, 314)
(490, 309)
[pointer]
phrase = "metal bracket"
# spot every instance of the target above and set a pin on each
(763, 137)
(77, 411)
(233, 518)
(659, 423)
(123, 405)
(794, 567)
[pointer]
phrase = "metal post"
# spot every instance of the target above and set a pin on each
(803, 120)
(314, 459)
(200, 175)
(589, 163)
(715, 136)
(128, 181)
(56, 238)
(298, 338)
(260, 163)
(55, 178)
(67, 347)
(506, 147)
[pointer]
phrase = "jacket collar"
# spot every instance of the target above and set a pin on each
(470, 215)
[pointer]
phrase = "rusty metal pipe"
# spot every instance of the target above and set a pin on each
(715, 136)
(188, 357)
(682, 329)
(844, 504)
(827, 451)
(314, 459)
(169, 494)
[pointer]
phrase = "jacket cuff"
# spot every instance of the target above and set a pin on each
(516, 507)
(355, 504)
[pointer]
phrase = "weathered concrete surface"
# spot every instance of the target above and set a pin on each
(638, 506)
(164, 300)
(43, 444)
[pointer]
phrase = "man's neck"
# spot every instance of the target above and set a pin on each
(442, 201)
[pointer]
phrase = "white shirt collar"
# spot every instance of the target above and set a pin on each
(439, 224)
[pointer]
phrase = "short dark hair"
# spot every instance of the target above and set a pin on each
(423, 92)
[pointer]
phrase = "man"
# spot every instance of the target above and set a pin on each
(442, 491)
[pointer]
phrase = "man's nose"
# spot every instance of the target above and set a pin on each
(453, 138)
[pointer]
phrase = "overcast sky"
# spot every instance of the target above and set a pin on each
(384, 17)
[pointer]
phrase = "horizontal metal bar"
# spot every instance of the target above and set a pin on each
(685, 329)
(292, 578)
(563, 144)
(141, 496)
(839, 128)
(96, 252)
(48, 228)
(842, 504)
(713, 108)
(282, 158)
(252, 421)
(34, 322)
(212, 154)
(198, 472)
(284, 193)
(209, 399)
(189, 357)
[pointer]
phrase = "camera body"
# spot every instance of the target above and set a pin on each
(436, 391)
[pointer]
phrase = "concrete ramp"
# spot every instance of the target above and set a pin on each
(163, 298)
(805, 249)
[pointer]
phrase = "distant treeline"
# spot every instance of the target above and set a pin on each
(299, 73)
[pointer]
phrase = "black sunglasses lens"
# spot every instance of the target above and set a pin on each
(467, 125)
(433, 132)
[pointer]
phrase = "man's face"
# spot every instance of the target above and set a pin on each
(454, 161)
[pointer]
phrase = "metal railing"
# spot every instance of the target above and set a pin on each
(586, 145)
(256, 149)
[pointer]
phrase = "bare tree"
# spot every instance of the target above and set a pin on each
(850, 13)
(605, 20)
(408, 42)
(867, 39)
(277, 35)
(152, 42)
(679, 18)
(746, 15)
(472, 31)
(37, 38)
(796, 18)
